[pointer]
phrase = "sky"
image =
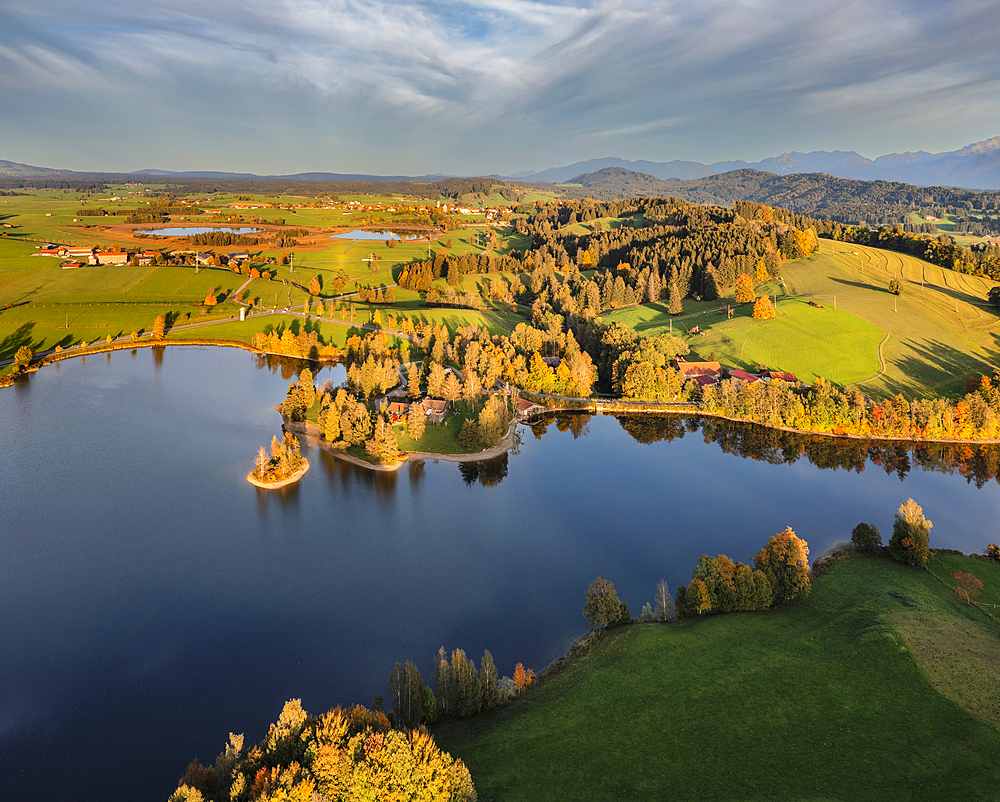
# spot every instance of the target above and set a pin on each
(475, 87)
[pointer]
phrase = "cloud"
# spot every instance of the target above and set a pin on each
(489, 83)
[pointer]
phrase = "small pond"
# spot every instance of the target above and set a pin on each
(380, 236)
(191, 231)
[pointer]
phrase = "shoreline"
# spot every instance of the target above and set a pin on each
(593, 406)
(290, 479)
(313, 437)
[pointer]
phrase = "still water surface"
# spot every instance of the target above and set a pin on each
(192, 230)
(153, 600)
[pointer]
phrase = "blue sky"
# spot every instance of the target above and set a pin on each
(492, 86)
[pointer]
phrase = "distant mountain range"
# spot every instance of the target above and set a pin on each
(975, 166)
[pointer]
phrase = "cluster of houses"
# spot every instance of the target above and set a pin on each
(78, 257)
(709, 373)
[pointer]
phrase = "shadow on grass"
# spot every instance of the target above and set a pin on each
(941, 369)
(21, 336)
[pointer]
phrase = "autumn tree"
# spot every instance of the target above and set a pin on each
(23, 357)
(314, 286)
(382, 446)
(307, 389)
(785, 563)
(522, 677)
(762, 308)
(967, 586)
(451, 389)
(416, 420)
(744, 289)
(910, 541)
(160, 326)
(603, 608)
(435, 380)
(866, 539)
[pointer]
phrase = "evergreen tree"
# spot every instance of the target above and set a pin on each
(675, 305)
(866, 539)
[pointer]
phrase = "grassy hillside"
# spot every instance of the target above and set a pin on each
(925, 342)
(824, 700)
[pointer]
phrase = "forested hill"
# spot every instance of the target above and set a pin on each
(813, 194)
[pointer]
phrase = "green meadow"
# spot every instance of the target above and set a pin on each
(834, 697)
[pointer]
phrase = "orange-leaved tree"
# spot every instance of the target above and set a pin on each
(744, 289)
(968, 586)
(762, 309)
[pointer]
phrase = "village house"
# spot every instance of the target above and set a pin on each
(781, 376)
(435, 409)
(397, 410)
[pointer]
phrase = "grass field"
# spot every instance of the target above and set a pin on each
(924, 343)
(821, 701)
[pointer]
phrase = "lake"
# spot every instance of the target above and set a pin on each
(190, 232)
(154, 601)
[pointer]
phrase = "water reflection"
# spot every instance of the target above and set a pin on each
(979, 464)
(488, 472)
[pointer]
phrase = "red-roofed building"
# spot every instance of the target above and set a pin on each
(526, 409)
(397, 410)
(781, 376)
(691, 369)
(736, 373)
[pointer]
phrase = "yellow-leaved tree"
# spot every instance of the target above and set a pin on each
(744, 289)
(785, 563)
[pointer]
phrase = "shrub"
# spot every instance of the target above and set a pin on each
(992, 552)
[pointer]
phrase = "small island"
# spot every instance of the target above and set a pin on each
(284, 466)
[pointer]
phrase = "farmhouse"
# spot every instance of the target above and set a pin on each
(750, 378)
(784, 376)
(111, 258)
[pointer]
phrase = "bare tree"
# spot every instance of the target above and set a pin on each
(664, 601)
